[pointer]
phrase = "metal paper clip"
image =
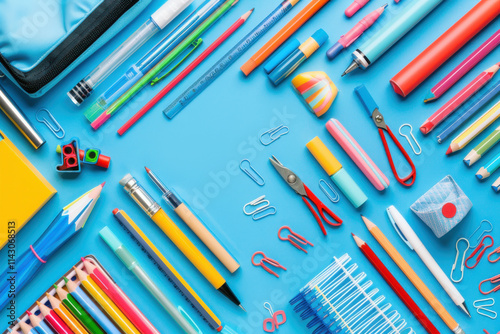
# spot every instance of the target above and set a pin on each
(482, 305)
(252, 173)
(493, 280)
(483, 233)
(54, 127)
(462, 264)
(262, 209)
(294, 238)
(327, 188)
(267, 260)
(408, 139)
(496, 251)
(274, 134)
(275, 323)
(481, 249)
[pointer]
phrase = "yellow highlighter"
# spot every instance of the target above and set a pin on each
(156, 213)
(336, 172)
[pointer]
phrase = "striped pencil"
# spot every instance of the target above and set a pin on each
(465, 94)
(65, 315)
(483, 147)
(40, 325)
(463, 68)
(489, 168)
(475, 129)
(466, 112)
(496, 185)
(53, 319)
(88, 304)
(27, 329)
(394, 284)
(78, 311)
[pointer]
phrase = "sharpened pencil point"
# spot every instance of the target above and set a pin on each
(242, 308)
(102, 184)
(147, 169)
(449, 151)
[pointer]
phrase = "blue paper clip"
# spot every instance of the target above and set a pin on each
(54, 127)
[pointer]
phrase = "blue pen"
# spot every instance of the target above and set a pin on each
(389, 34)
(466, 112)
(158, 52)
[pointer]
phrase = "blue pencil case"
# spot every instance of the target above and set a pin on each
(41, 41)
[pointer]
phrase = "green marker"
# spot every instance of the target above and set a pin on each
(169, 58)
(77, 310)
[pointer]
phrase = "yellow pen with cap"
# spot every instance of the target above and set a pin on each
(174, 233)
(337, 173)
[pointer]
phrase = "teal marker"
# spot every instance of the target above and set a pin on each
(392, 32)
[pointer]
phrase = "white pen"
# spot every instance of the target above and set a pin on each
(411, 239)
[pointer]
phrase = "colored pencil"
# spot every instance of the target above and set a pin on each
(78, 311)
(463, 68)
(395, 286)
(27, 329)
(105, 302)
(483, 147)
(465, 94)
(118, 297)
(412, 276)
(172, 84)
(486, 171)
(39, 324)
(467, 111)
(67, 223)
(53, 319)
(91, 307)
(496, 185)
(475, 129)
(66, 315)
(288, 30)
(168, 270)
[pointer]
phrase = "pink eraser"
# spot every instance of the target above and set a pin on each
(354, 7)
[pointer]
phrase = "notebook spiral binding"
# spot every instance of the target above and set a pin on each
(339, 302)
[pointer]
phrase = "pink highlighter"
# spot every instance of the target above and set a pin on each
(354, 7)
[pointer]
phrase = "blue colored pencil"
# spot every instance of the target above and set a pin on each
(489, 168)
(39, 324)
(465, 113)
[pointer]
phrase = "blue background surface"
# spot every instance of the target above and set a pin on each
(198, 154)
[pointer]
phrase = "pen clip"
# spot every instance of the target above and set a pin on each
(396, 227)
(195, 45)
(188, 318)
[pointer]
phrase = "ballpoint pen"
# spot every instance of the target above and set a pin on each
(411, 239)
(162, 64)
(68, 222)
(160, 218)
(158, 20)
(150, 59)
(352, 35)
(195, 224)
(177, 313)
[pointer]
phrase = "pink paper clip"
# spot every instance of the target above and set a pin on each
(481, 247)
(493, 280)
(265, 260)
(294, 238)
(496, 251)
(275, 323)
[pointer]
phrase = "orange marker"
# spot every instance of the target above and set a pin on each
(291, 27)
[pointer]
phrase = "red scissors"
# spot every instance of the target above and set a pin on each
(307, 196)
(371, 108)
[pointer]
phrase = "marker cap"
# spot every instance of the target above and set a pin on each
(354, 7)
(281, 55)
(169, 11)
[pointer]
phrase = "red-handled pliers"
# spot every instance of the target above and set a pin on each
(371, 108)
(307, 196)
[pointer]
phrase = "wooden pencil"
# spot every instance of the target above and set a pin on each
(53, 319)
(66, 315)
(488, 169)
(483, 147)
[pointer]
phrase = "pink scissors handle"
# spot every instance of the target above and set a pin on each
(322, 209)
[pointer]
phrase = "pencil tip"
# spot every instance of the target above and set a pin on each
(242, 308)
(102, 184)
(449, 151)
(147, 169)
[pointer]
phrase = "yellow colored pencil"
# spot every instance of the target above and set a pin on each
(107, 304)
(65, 315)
(412, 276)
(475, 129)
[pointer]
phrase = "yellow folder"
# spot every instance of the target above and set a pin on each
(23, 190)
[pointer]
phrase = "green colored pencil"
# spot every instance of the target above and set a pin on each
(78, 311)
(483, 147)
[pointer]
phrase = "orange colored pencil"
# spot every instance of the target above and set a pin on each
(66, 315)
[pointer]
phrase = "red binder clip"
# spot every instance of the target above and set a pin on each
(481, 247)
(493, 280)
(294, 238)
(265, 260)
(496, 251)
(275, 323)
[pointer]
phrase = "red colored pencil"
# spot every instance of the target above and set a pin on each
(184, 73)
(396, 287)
(53, 319)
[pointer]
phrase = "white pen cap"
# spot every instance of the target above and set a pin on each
(169, 11)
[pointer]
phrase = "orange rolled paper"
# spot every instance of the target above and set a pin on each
(445, 46)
